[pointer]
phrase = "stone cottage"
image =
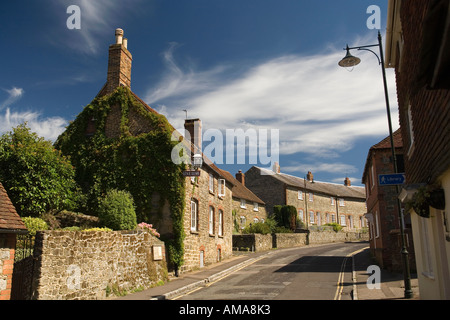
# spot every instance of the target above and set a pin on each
(317, 203)
(247, 207)
(120, 142)
(10, 226)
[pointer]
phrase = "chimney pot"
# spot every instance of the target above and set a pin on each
(347, 182)
(276, 167)
(240, 177)
(125, 43)
(119, 36)
(310, 176)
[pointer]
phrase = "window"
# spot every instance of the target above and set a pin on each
(243, 204)
(319, 221)
(211, 220)
(377, 226)
(255, 220)
(220, 223)
(255, 206)
(211, 183)
(343, 222)
(311, 217)
(300, 215)
(373, 175)
(327, 218)
(194, 215)
(333, 201)
(300, 195)
(341, 202)
(310, 196)
(221, 187)
(409, 124)
(243, 222)
(350, 221)
(427, 263)
(333, 218)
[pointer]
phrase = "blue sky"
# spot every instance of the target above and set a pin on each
(236, 64)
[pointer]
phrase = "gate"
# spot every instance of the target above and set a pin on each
(23, 268)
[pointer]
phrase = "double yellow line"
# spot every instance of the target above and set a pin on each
(340, 282)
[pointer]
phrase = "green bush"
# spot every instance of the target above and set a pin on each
(116, 211)
(258, 227)
(34, 224)
(336, 227)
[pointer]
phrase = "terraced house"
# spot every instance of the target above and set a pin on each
(317, 203)
(119, 142)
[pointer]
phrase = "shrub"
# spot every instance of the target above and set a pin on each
(97, 229)
(258, 227)
(336, 227)
(34, 224)
(116, 211)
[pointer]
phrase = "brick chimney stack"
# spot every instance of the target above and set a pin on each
(240, 177)
(276, 167)
(119, 64)
(309, 176)
(347, 182)
(194, 127)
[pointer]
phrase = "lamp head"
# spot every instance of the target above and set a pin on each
(198, 161)
(349, 60)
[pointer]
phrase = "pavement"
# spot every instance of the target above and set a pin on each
(391, 284)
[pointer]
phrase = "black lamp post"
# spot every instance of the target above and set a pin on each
(351, 61)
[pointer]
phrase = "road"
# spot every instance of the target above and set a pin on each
(321, 272)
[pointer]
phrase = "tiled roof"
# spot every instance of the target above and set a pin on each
(331, 189)
(384, 144)
(9, 219)
(239, 190)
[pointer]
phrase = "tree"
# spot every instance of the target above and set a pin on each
(116, 210)
(38, 178)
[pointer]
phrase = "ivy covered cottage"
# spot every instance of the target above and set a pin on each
(119, 142)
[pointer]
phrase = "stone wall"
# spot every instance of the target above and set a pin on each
(253, 242)
(259, 242)
(74, 265)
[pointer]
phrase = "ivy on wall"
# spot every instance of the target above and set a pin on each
(139, 164)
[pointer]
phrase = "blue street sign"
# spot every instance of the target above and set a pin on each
(391, 179)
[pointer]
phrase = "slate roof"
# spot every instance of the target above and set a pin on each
(328, 188)
(239, 190)
(10, 221)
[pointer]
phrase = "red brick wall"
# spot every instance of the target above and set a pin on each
(7, 250)
(430, 108)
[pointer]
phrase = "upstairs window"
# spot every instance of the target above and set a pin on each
(300, 195)
(211, 183)
(221, 187)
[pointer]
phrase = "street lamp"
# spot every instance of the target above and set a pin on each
(351, 61)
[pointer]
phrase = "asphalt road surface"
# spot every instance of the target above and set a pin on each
(322, 272)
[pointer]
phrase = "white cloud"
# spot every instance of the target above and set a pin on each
(98, 18)
(49, 128)
(318, 107)
(14, 94)
(321, 167)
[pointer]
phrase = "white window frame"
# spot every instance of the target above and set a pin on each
(333, 218)
(243, 222)
(300, 215)
(221, 187)
(194, 216)
(243, 204)
(211, 182)
(341, 202)
(220, 223)
(310, 196)
(333, 201)
(311, 217)
(343, 220)
(255, 206)
(300, 195)
(255, 220)
(211, 220)
(410, 128)
(373, 175)
(377, 225)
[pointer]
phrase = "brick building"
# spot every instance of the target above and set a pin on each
(317, 203)
(207, 217)
(382, 206)
(418, 47)
(247, 206)
(10, 226)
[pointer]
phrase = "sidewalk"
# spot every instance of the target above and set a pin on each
(392, 284)
(193, 280)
